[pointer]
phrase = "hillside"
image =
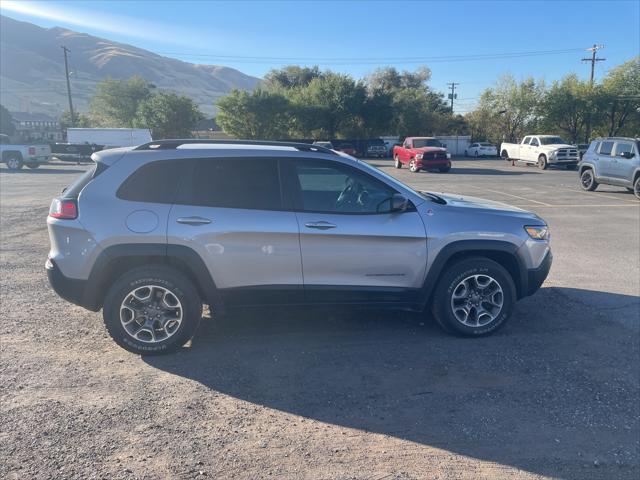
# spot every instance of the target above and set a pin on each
(32, 69)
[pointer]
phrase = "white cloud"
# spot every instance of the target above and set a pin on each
(110, 23)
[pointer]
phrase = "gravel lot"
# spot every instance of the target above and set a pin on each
(337, 394)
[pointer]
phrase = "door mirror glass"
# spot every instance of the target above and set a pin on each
(397, 203)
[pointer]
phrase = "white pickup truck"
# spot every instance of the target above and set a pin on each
(16, 156)
(542, 150)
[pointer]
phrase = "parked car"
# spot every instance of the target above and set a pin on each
(324, 144)
(422, 153)
(346, 148)
(72, 152)
(151, 233)
(15, 156)
(481, 149)
(542, 150)
(582, 149)
(109, 137)
(612, 161)
(377, 151)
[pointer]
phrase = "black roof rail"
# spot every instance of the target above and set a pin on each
(175, 143)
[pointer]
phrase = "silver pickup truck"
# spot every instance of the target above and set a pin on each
(15, 156)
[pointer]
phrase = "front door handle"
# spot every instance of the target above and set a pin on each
(322, 225)
(193, 220)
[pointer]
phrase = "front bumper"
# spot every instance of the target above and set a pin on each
(537, 276)
(564, 160)
(436, 163)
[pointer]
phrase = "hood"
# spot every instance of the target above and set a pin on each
(430, 149)
(558, 146)
(460, 201)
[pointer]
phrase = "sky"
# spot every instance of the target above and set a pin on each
(467, 42)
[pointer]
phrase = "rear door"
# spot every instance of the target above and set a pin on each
(230, 211)
(353, 248)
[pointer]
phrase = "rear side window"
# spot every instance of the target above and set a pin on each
(73, 190)
(155, 182)
(605, 148)
(623, 148)
(248, 183)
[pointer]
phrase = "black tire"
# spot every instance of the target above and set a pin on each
(33, 165)
(14, 162)
(167, 278)
(636, 188)
(412, 166)
(504, 155)
(398, 162)
(588, 180)
(542, 162)
(476, 154)
(441, 305)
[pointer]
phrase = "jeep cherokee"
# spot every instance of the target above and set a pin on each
(150, 234)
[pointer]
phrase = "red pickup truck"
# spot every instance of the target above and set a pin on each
(422, 153)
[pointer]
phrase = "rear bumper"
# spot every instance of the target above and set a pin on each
(537, 276)
(71, 289)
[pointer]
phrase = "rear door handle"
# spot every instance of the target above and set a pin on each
(193, 220)
(322, 225)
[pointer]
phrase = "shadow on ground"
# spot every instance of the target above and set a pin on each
(553, 392)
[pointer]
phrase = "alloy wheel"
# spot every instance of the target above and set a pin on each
(477, 300)
(151, 313)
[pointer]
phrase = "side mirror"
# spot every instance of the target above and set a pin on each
(627, 155)
(397, 203)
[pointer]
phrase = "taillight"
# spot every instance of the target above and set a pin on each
(63, 208)
(32, 150)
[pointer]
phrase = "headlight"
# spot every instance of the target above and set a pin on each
(553, 154)
(538, 232)
(419, 156)
(448, 155)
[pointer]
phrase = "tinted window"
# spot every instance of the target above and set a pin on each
(534, 142)
(605, 148)
(623, 148)
(154, 182)
(552, 141)
(526, 140)
(334, 188)
(73, 190)
(251, 183)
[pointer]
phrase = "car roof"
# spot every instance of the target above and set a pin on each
(630, 139)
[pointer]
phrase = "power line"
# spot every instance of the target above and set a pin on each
(373, 60)
(66, 69)
(593, 58)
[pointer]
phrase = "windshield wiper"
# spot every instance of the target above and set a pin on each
(434, 197)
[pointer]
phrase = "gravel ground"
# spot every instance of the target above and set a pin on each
(336, 394)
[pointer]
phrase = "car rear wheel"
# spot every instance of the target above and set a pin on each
(636, 188)
(588, 180)
(152, 310)
(413, 168)
(504, 155)
(542, 162)
(398, 162)
(14, 162)
(474, 297)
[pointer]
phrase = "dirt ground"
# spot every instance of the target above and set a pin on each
(336, 394)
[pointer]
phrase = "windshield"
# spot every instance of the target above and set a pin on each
(552, 141)
(426, 142)
(486, 145)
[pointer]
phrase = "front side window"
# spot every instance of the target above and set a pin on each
(606, 148)
(334, 188)
(623, 148)
(534, 142)
(248, 183)
(526, 140)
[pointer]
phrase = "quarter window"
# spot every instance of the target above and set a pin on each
(606, 148)
(335, 188)
(249, 183)
(155, 182)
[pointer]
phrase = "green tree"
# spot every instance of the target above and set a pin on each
(291, 76)
(6, 122)
(619, 100)
(257, 115)
(567, 107)
(80, 120)
(168, 115)
(116, 102)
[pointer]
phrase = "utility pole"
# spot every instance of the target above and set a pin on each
(66, 69)
(593, 58)
(453, 94)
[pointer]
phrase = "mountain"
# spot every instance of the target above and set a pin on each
(32, 76)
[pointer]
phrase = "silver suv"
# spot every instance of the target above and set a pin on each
(612, 161)
(152, 233)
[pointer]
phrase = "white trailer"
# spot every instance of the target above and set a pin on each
(109, 137)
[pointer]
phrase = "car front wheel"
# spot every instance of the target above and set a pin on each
(398, 162)
(474, 297)
(588, 180)
(413, 168)
(152, 310)
(542, 162)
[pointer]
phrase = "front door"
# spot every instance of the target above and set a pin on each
(230, 212)
(353, 248)
(623, 167)
(606, 166)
